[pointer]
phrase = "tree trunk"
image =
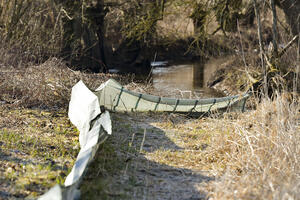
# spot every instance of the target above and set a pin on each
(83, 35)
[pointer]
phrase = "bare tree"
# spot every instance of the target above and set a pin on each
(83, 34)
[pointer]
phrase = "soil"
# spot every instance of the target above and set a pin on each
(140, 141)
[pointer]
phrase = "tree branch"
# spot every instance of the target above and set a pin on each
(287, 46)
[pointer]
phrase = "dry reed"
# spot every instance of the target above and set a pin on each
(47, 85)
(262, 154)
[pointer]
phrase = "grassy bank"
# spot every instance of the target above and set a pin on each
(233, 155)
(38, 148)
(38, 143)
(252, 155)
(262, 149)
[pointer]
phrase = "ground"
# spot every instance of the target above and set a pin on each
(148, 154)
(148, 160)
(157, 155)
(251, 155)
(38, 149)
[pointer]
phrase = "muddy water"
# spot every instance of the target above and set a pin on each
(189, 79)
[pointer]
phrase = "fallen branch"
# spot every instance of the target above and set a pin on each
(287, 46)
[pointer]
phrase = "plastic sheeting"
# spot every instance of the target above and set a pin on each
(115, 97)
(94, 127)
(83, 108)
(54, 193)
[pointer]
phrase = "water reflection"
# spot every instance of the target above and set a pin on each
(198, 75)
(187, 79)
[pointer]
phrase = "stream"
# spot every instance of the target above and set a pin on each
(188, 80)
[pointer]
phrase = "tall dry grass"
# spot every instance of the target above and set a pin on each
(31, 27)
(262, 153)
(47, 85)
(32, 35)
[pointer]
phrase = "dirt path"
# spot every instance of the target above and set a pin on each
(149, 156)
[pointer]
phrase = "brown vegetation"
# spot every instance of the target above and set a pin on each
(251, 155)
(47, 85)
(261, 153)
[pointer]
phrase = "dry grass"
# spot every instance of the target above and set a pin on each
(252, 155)
(35, 27)
(262, 154)
(255, 155)
(47, 85)
(38, 149)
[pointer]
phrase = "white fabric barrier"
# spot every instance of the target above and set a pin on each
(94, 127)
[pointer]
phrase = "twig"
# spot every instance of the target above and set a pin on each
(287, 46)
(142, 144)
(67, 15)
(243, 53)
(148, 79)
(296, 77)
(132, 139)
(219, 28)
(274, 26)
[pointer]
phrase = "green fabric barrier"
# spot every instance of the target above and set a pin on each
(115, 97)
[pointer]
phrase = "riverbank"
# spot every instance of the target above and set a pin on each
(231, 155)
(163, 156)
(48, 46)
